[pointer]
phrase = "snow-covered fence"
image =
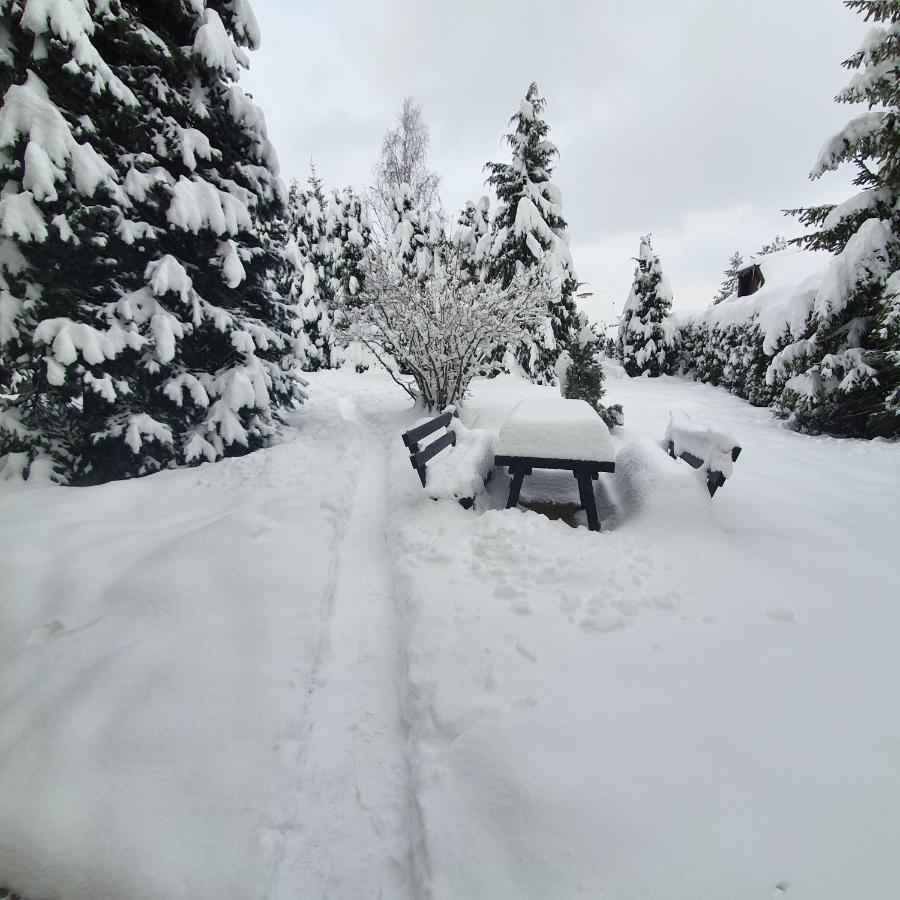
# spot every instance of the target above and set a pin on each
(714, 452)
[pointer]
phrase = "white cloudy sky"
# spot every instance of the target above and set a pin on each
(696, 120)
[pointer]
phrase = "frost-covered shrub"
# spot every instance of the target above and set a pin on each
(136, 303)
(434, 332)
(645, 331)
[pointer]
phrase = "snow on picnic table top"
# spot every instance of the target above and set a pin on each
(552, 428)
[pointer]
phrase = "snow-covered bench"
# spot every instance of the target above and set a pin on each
(457, 475)
(715, 452)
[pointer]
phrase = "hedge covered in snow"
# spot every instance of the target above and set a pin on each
(736, 344)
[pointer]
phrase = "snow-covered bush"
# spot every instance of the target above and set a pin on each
(581, 377)
(441, 328)
(136, 305)
(645, 331)
(326, 239)
(843, 375)
(734, 343)
(529, 232)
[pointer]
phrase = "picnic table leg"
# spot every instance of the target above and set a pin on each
(515, 487)
(588, 501)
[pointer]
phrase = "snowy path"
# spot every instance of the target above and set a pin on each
(291, 675)
(350, 834)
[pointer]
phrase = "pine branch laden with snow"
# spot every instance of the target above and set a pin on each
(645, 328)
(842, 375)
(530, 231)
(439, 330)
(137, 306)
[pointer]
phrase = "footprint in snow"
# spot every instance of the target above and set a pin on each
(780, 614)
(603, 622)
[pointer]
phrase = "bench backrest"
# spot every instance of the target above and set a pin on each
(419, 458)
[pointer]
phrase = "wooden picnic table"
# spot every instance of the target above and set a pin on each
(551, 433)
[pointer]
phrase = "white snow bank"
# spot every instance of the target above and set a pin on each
(650, 490)
(555, 429)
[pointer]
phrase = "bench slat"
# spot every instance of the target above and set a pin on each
(412, 437)
(420, 458)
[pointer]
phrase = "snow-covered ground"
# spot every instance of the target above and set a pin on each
(294, 675)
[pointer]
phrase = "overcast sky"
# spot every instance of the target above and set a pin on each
(695, 120)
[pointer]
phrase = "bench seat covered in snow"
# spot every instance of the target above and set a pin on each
(457, 475)
(556, 434)
(715, 452)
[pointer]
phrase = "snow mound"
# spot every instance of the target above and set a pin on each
(652, 489)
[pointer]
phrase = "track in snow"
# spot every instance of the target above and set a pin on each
(350, 837)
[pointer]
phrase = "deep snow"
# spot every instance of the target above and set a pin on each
(294, 674)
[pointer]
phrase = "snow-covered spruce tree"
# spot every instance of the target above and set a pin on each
(581, 375)
(434, 332)
(413, 241)
(729, 285)
(530, 231)
(348, 234)
(325, 247)
(645, 344)
(473, 237)
(307, 254)
(844, 378)
(137, 301)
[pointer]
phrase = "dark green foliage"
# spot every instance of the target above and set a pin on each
(843, 376)
(585, 378)
(644, 339)
(530, 230)
(143, 321)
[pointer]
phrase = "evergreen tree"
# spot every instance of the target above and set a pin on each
(472, 236)
(581, 375)
(137, 297)
(845, 376)
(644, 343)
(777, 244)
(307, 252)
(315, 184)
(729, 285)
(530, 231)
(414, 237)
(349, 235)
(325, 250)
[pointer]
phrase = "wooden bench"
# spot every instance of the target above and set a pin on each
(702, 448)
(419, 458)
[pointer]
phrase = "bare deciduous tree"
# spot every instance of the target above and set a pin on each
(404, 152)
(441, 330)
